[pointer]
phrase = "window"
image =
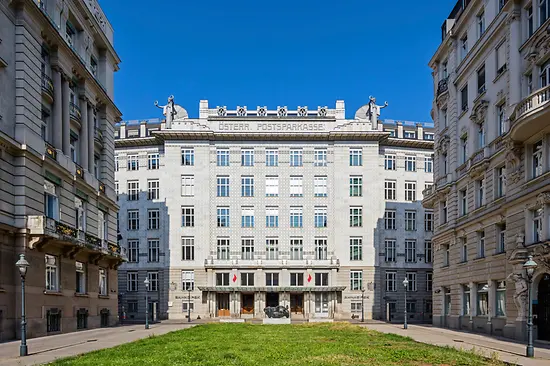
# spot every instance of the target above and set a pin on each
(222, 216)
(390, 189)
(222, 279)
(296, 249)
(321, 249)
(480, 193)
(153, 250)
(80, 278)
(187, 249)
(443, 212)
(389, 219)
(272, 279)
(296, 217)
(447, 300)
(188, 280)
(319, 186)
(410, 134)
(389, 162)
(390, 250)
(428, 251)
(501, 120)
(463, 197)
(296, 279)
(133, 190)
(480, 24)
(544, 74)
(247, 249)
(320, 216)
(153, 189)
(411, 276)
(428, 164)
(464, 250)
(102, 226)
(222, 157)
(80, 214)
(355, 186)
(501, 58)
(410, 163)
(537, 159)
(355, 216)
(272, 248)
(116, 163)
(132, 282)
(133, 220)
(466, 300)
(356, 280)
(81, 318)
(247, 157)
(543, 11)
(529, 83)
(446, 256)
(410, 220)
(500, 182)
(272, 186)
(247, 279)
(463, 47)
(429, 136)
(444, 71)
(247, 186)
(320, 156)
(501, 299)
(222, 187)
(103, 283)
(481, 136)
(153, 281)
(411, 307)
(222, 249)
(132, 306)
(321, 279)
(537, 224)
(296, 186)
(153, 219)
(188, 185)
(355, 157)
(53, 320)
(133, 162)
(153, 161)
(482, 299)
(443, 118)
(391, 281)
(187, 216)
(356, 249)
(410, 191)
(272, 216)
(530, 22)
(481, 244)
(501, 238)
(464, 98)
(410, 250)
(247, 217)
(272, 157)
(444, 165)
(428, 221)
(188, 156)
(133, 251)
(501, 4)
(296, 157)
(429, 282)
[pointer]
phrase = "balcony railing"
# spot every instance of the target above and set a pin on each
(533, 102)
(74, 112)
(47, 86)
(428, 191)
(442, 86)
(441, 181)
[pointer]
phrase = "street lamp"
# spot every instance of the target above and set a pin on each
(406, 285)
(23, 265)
(530, 267)
(362, 304)
(146, 282)
(189, 305)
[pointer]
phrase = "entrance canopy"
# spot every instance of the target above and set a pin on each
(272, 289)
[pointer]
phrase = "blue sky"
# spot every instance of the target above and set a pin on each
(272, 53)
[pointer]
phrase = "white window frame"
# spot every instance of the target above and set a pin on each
(52, 272)
(153, 250)
(188, 185)
(320, 186)
(153, 161)
(271, 157)
(153, 189)
(296, 157)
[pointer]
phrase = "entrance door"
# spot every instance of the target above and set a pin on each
(390, 311)
(272, 299)
(223, 304)
(297, 303)
(543, 309)
(247, 304)
(321, 304)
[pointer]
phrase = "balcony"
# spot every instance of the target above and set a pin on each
(47, 88)
(74, 112)
(98, 136)
(531, 116)
(442, 86)
(260, 261)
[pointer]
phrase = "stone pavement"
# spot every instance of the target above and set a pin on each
(504, 350)
(47, 349)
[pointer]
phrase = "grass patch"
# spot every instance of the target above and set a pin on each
(269, 345)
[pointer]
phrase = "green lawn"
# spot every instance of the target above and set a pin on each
(265, 345)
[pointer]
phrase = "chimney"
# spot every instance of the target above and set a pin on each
(122, 133)
(143, 129)
(419, 131)
(399, 129)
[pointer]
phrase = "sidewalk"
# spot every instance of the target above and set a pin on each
(47, 349)
(508, 351)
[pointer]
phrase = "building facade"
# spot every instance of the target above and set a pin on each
(241, 209)
(492, 163)
(57, 198)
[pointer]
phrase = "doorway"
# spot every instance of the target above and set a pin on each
(272, 299)
(390, 310)
(222, 301)
(543, 309)
(297, 303)
(247, 304)
(321, 304)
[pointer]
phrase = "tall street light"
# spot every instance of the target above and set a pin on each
(23, 265)
(362, 304)
(189, 305)
(530, 267)
(406, 285)
(146, 282)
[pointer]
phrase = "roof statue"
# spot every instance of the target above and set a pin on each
(374, 112)
(168, 110)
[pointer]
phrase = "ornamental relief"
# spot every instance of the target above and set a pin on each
(442, 100)
(443, 144)
(513, 161)
(538, 50)
(479, 112)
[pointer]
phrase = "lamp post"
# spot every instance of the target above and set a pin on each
(146, 282)
(23, 265)
(406, 285)
(189, 305)
(530, 267)
(362, 304)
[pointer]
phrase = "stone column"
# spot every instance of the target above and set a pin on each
(91, 139)
(515, 71)
(84, 134)
(65, 123)
(57, 136)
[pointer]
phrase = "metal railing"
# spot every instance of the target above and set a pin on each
(47, 85)
(442, 86)
(74, 112)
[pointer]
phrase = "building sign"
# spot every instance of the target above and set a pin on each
(187, 297)
(287, 126)
(355, 297)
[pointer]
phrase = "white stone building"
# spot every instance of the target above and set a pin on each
(255, 208)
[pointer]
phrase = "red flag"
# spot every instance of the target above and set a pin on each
(234, 278)
(309, 278)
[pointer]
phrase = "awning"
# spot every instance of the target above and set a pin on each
(272, 289)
